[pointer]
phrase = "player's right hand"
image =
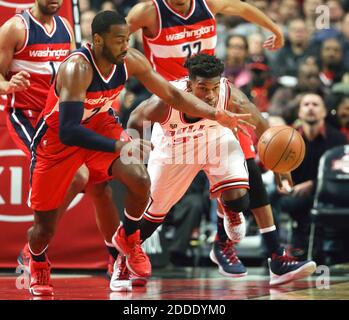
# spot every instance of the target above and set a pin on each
(18, 82)
(234, 120)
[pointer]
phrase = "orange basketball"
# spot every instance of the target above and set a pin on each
(281, 149)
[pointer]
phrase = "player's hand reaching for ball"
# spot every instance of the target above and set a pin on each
(234, 121)
(18, 82)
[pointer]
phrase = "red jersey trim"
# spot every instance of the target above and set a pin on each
(159, 20)
(227, 95)
(168, 116)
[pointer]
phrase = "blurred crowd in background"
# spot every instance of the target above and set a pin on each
(315, 59)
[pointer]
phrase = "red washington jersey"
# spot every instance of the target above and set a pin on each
(100, 94)
(179, 37)
(40, 57)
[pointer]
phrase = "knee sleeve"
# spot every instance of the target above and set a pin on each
(237, 205)
(258, 193)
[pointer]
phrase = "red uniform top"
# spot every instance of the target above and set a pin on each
(40, 57)
(179, 37)
(100, 94)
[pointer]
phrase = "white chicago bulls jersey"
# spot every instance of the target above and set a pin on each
(182, 149)
(176, 129)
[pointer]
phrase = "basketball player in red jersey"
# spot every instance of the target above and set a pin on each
(32, 45)
(173, 30)
(78, 127)
(176, 29)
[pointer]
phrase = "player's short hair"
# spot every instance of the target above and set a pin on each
(104, 19)
(204, 65)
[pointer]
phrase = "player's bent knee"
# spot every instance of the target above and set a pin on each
(237, 205)
(141, 183)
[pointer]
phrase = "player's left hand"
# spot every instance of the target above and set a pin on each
(275, 41)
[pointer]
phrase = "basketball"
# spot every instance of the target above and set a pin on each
(281, 149)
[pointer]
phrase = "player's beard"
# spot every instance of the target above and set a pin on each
(46, 11)
(109, 56)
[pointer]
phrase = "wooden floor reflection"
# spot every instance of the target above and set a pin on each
(187, 284)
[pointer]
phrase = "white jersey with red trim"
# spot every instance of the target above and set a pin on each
(176, 129)
(179, 37)
(40, 56)
(182, 150)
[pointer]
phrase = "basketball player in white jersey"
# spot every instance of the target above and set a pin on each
(176, 29)
(178, 136)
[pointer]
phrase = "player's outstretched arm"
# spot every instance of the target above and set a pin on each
(251, 14)
(12, 35)
(239, 103)
(141, 16)
(139, 66)
(150, 110)
(73, 78)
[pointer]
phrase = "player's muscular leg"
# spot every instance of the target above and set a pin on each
(136, 179)
(264, 216)
(77, 185)
(235, 200)
(259, 202)
(107, 215)
(45, 223)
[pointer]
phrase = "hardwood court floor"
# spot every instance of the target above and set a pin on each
(187, 284)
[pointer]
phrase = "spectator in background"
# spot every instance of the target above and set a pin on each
(86, 18)
(310, 15)
(339, 113)
(336, 13)
(246, 28)
(343, 115)
(84, 5)
(295, 51)
(344, 38)
(124, 6)
(260, 88)
(108, 5)
(331, 62)
(288, 10)
(236, 69)
(319, 137)
(255, 45)
(286, 99)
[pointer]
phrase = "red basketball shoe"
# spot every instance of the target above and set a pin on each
(136, 260)
(40, 278)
